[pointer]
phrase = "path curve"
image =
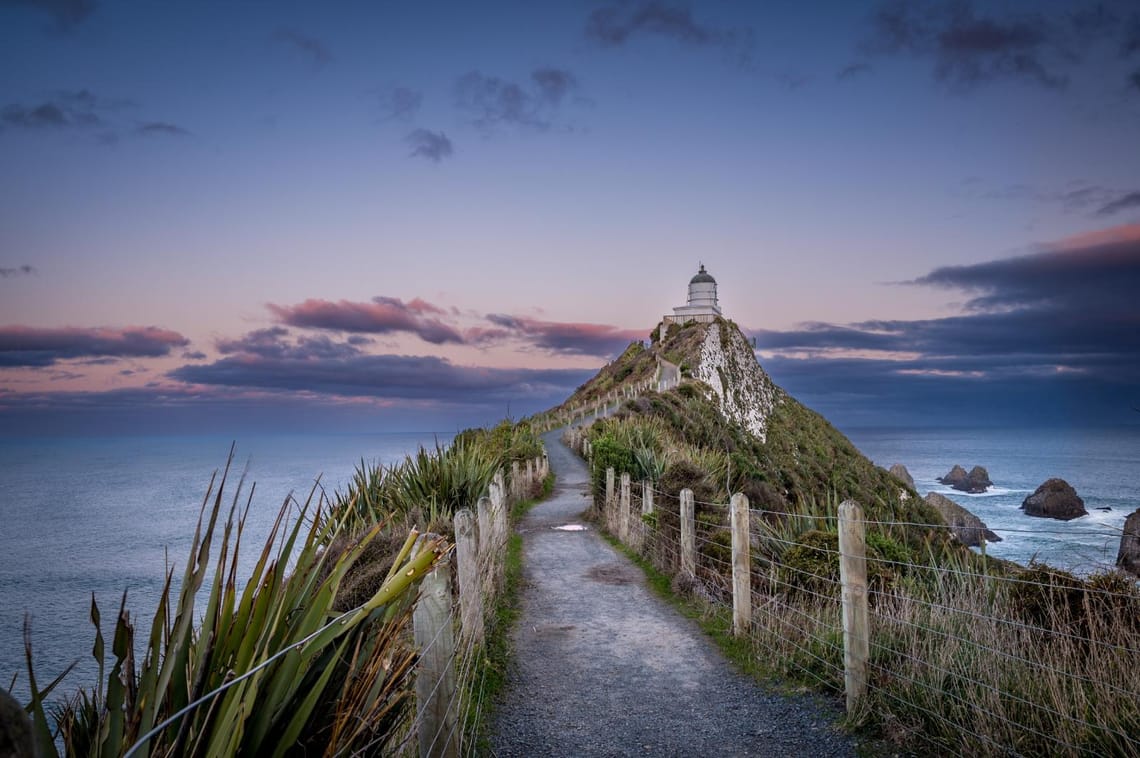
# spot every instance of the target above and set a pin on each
(602, 666)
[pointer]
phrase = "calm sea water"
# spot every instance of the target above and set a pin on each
(83, 516)
(1102, 465)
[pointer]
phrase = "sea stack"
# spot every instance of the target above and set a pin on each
(1055, 499)
(972, 483)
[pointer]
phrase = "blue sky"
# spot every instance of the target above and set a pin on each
(217, 214)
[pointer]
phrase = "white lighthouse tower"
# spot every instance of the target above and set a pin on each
(702, 306)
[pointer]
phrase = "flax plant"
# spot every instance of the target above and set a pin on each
(271, 670)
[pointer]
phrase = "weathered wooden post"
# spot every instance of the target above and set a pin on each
(688, 534)
(497, 490)
(741, 567)
(483, 512)
(646, 497)
(856, 626)
(623, 522)
(467, 570)
(435, 671)
(516, 482)
(609, 486)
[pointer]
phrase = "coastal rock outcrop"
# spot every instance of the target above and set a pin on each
(898, 471)
(744, 391)
(1056, 499)
(965, 526)
(973, 483)
(1128, 558)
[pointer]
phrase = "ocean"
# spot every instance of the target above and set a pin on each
(83, 516)
(104, 515)
(1102, 465)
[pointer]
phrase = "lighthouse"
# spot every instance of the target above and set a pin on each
(702, 305)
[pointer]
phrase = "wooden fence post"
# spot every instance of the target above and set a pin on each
(516, 482)
(483, 511)
(623, 522)
(435, 671)
(467, 569)
(741, 567)
(688, 534)
(609, 486)
(853, 575)
(646, 497)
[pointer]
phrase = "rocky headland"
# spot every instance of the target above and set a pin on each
(1128, 557)
(974, 482)
(1055, 499)
(965, 526)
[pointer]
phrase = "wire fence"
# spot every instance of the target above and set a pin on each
(962, 653)
(450, 620)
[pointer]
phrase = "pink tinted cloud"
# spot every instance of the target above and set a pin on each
(565, 337)
(32, 346)
(383, 315)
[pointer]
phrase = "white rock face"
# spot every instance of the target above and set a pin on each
(745, 392)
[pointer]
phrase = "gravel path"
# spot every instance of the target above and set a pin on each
(602, 666)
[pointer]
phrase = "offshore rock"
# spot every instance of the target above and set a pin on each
(1055, 499)
(1128, 558)
(898, 471)
(973, 483)
(965, 526)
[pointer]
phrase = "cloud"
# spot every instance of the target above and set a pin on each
(396, 377)
(1123, 202)
(969, 49)
(400, 103)
(1062, 320)
(432, 146)
(67, 13)
(616, 23)
(383, 315)
(1134, 79)
(492, 102)
(599, 340)
(24, 270)
(310, 47)
(852, 70)
(31, 346)
(161, 128)
(76, 110)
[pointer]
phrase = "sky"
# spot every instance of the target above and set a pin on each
(217, 217)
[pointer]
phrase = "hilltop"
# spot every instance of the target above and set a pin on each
(728, 417)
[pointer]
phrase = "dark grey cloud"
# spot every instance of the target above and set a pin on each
(491, 102)
(57, 113)
(400, 103)
(396, 377)
(24, 270)
(432, 146)
(161, 128)
(383, 315)
(65, 13)
(1054, 324)
(969, 48)
(309, 46)
(852, 70)
(194, 355)
(31, 346)
(1123, 202)
(971, 45)
(277, 343)
(617, 23)
(1134, 79)
(600, 340)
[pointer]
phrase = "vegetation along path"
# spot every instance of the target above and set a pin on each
(602, 666)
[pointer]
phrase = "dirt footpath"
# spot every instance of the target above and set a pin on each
(604, 667)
